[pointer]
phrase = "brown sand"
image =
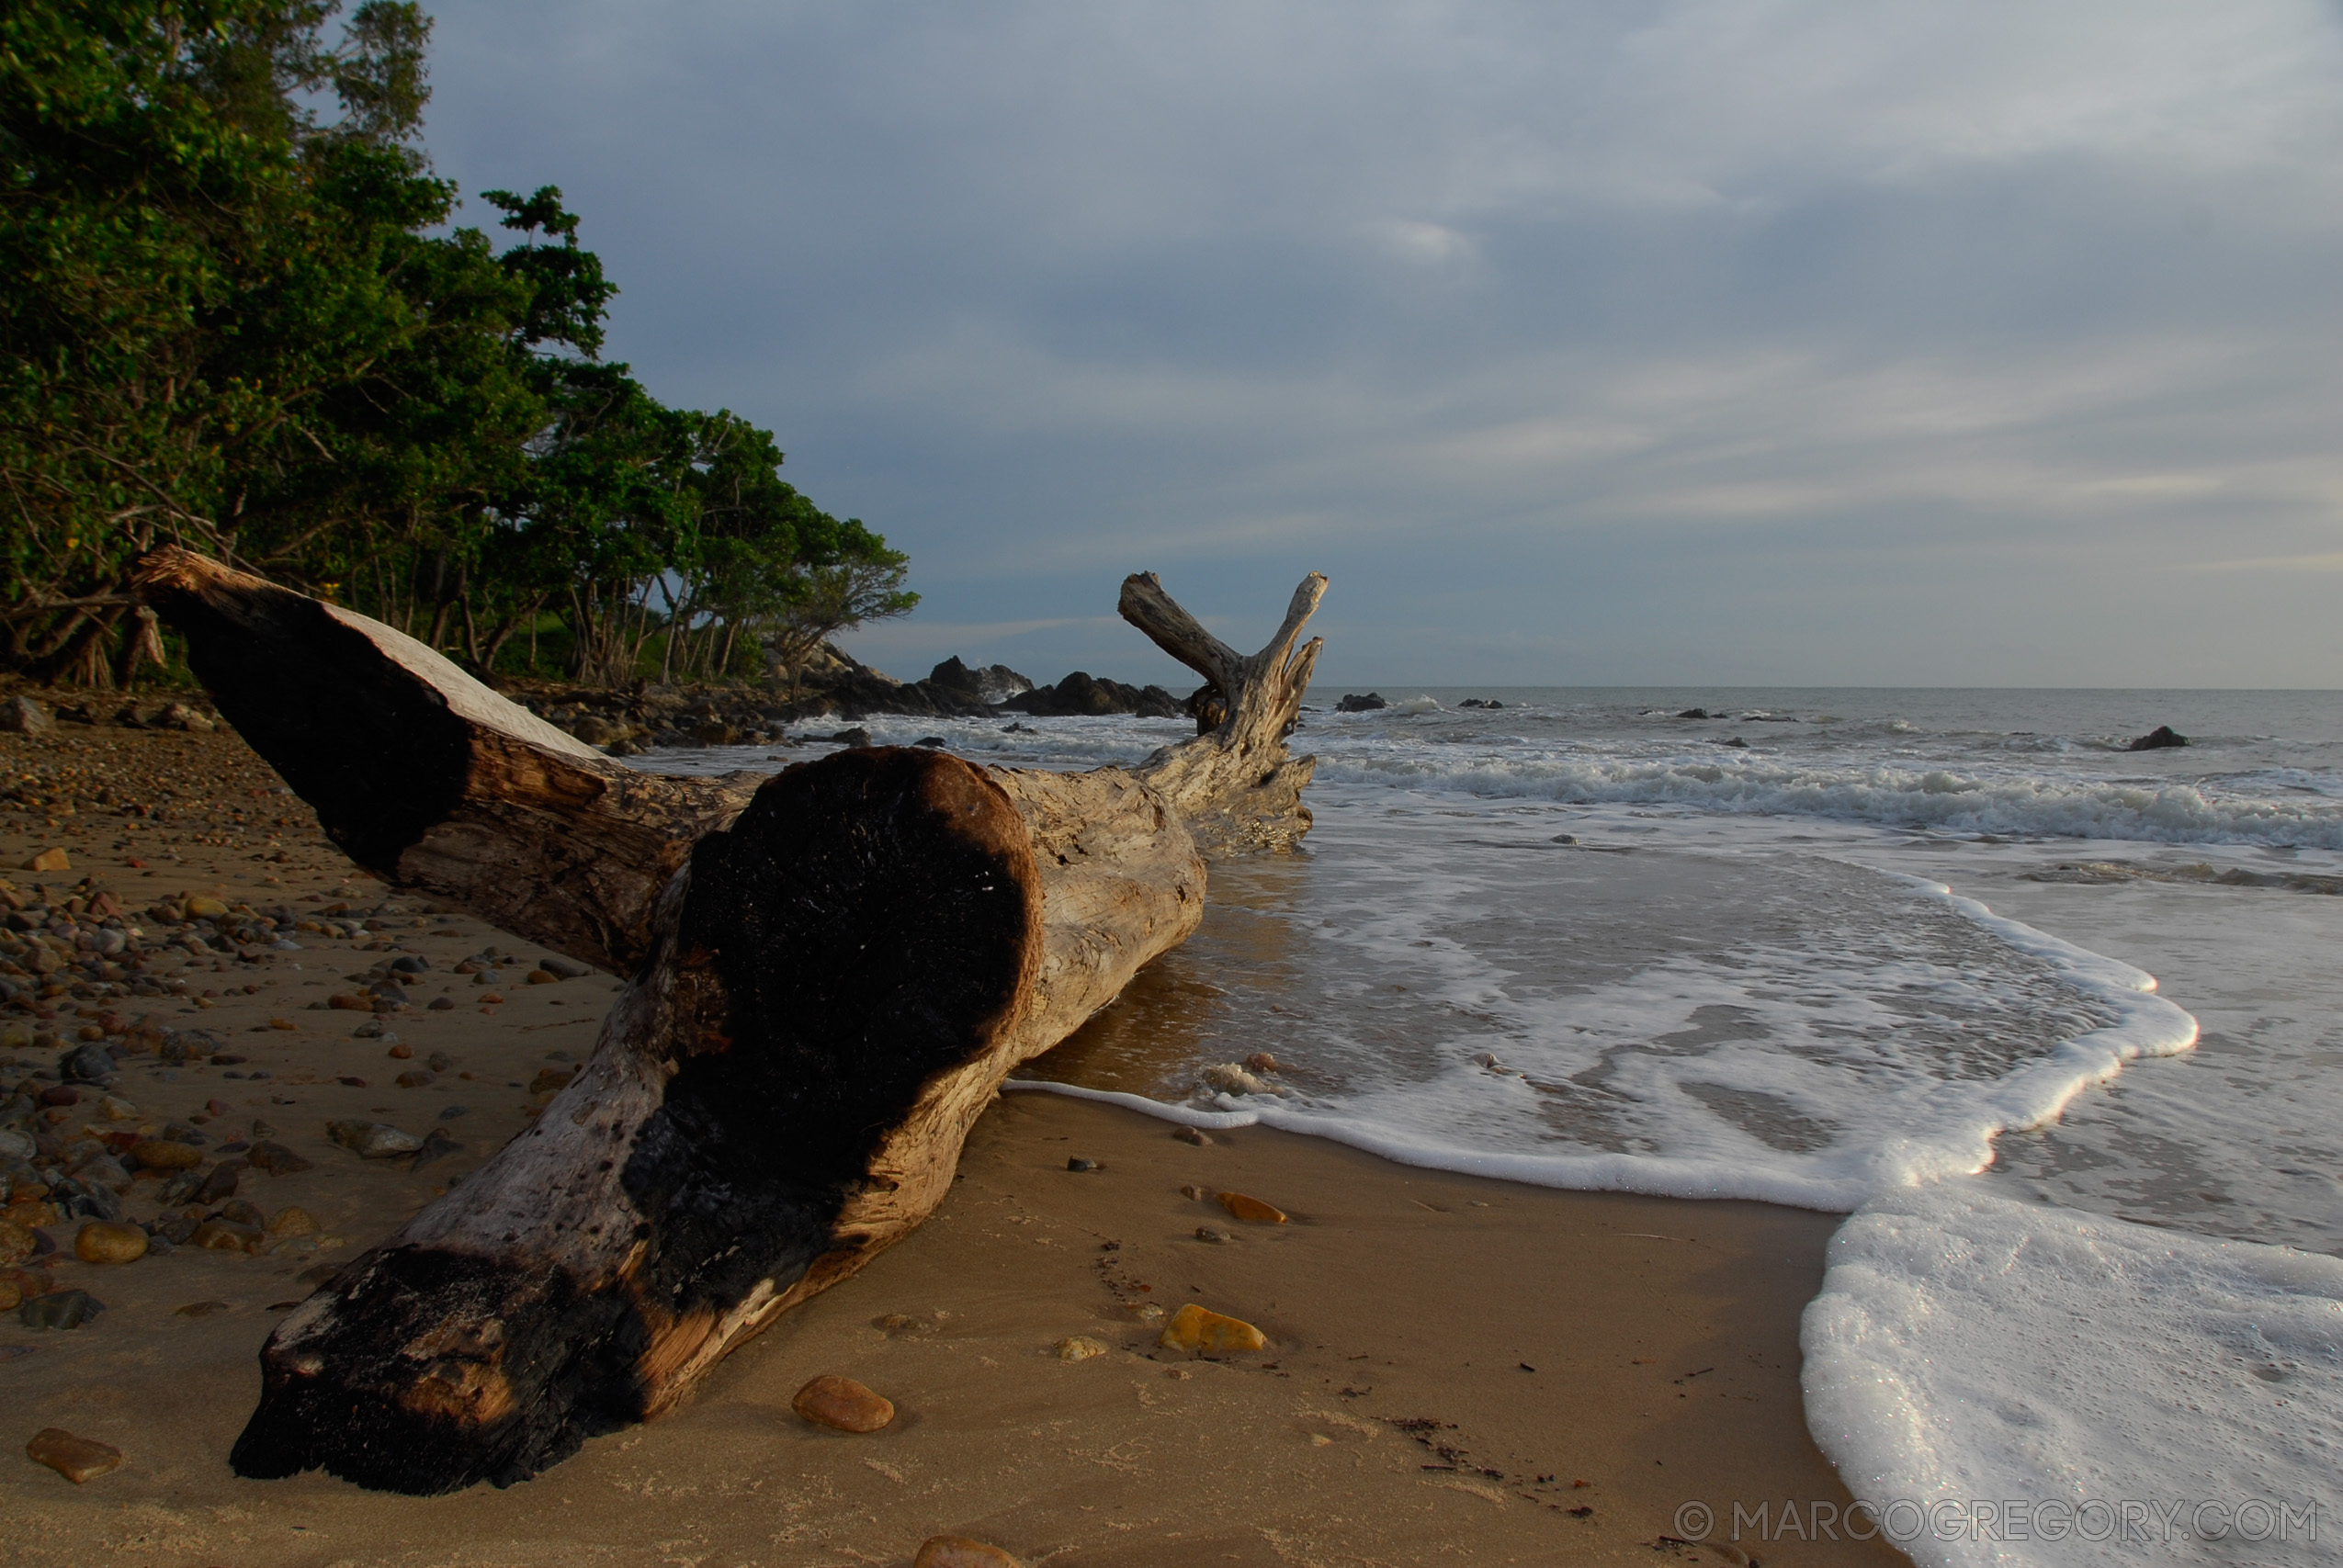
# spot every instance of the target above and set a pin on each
(1457, 1368)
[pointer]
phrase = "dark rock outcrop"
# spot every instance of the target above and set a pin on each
(1353, 703)
(2157, 739)
(993, 683)
(1081, 694)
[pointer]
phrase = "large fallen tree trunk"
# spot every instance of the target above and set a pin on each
(830, 974)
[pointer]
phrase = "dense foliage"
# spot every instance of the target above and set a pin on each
(229, 321)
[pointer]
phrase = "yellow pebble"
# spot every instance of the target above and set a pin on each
(1193, 1328)
(102, 1241)
(1253, 1211)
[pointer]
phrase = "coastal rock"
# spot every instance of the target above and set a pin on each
(1081, 694)
(1080, 1347)
(292, 1221)
(60, 1309)
(959, 1551)
(179, 715)
(48, 860)
(227, 1235)
(1194, 1328)
(1354, 702)
(842, 1405)
(1213, 1236)
(105, 1241)
(76, 1458)
(87, 1064)
(17, 1243)
(106, 1171)
(1198, 1136)
(2162, 737)
(372, 1140)
(1253, 1211)
(1231, 1078)
(22, 716)
(221, 1184)
(994, 683)
(161, 1154)
(438, 1145)
(277, 1159)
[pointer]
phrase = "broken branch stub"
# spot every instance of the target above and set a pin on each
(427, 778)
(1234, 784)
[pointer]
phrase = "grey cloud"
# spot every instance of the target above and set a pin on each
(1819, 342)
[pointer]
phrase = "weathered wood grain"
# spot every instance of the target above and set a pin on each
(829, 978)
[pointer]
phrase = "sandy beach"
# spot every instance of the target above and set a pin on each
(1457, 1368)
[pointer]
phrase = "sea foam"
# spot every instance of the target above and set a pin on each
(2171, 1398)
(1880, 1050)
(1947, 799)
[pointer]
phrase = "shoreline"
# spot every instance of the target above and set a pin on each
(1425, 1293)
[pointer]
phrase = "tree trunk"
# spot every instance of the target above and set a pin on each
(823, 1000)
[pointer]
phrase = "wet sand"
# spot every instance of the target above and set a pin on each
(1458, 1369)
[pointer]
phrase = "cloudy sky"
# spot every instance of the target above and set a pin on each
(1672, 341)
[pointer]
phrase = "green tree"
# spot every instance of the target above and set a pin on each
(229, 323)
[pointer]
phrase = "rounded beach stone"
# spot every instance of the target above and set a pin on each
(959, 1551)
(295, 1221)
(17, 1241)
(161, 1154)
(843, 1403)
(59, 1309)
(76, 1458)
(1253, 1211)
(1080, 1347)
(103, 1241)
(1193, 1328)
(372, 1140)
(225, 1235)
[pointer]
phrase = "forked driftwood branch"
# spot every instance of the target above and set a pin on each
(829, 973)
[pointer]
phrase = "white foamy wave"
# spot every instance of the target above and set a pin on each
(1938, 798)
(1783, 1076)
(2142, 1395)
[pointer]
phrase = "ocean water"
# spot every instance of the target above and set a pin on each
(2060, 1025)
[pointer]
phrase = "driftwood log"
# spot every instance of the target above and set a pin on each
(830, 971)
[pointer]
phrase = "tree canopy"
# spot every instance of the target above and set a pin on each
(231, 320)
